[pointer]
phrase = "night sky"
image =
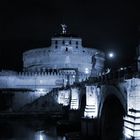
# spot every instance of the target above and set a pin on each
(110, 25)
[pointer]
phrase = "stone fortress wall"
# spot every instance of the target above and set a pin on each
(65, 61)
(41, 80)
(64, 52)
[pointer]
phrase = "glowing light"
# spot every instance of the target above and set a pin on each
(86, 70)
(111, 55)
(41, 91)
(40, 136)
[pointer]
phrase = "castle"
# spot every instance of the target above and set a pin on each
(65, 62)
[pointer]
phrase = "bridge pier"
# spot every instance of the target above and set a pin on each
(64, 97)
(89, 123)
(132, 118)
(132, 125)
(91, 109)
(89, 127)
(74, 112)
(74, 103)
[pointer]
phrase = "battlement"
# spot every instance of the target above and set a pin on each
(47, 80)
(46, 73)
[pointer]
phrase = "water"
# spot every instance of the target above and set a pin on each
(38, 129)
(28, 130)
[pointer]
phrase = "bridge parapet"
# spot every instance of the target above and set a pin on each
(115, 76)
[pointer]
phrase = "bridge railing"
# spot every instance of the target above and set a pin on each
(114, 76)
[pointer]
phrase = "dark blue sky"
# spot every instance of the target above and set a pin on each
(104, 24)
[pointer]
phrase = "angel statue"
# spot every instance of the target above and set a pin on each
(64, 26)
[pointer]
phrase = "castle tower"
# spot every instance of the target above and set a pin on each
(66, 54)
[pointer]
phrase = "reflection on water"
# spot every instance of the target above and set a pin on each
(28, 130)
(41, 135)
(41, 130)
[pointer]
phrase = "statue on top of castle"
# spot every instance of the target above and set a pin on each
(64, 26)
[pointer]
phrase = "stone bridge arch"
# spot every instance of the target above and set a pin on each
(108, 91)
(102, 102)
(112, 109)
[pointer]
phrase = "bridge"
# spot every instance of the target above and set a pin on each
(107, 105)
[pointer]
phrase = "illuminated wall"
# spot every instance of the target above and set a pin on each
(64, 97)
(132, 119)
(91, 102)
(33, 80)
(75, 94)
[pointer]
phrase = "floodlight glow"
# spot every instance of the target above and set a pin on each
(41, 91)
(111, 55)
(40, 136)
(86, 70)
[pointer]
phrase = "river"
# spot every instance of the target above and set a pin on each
(29, 130)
